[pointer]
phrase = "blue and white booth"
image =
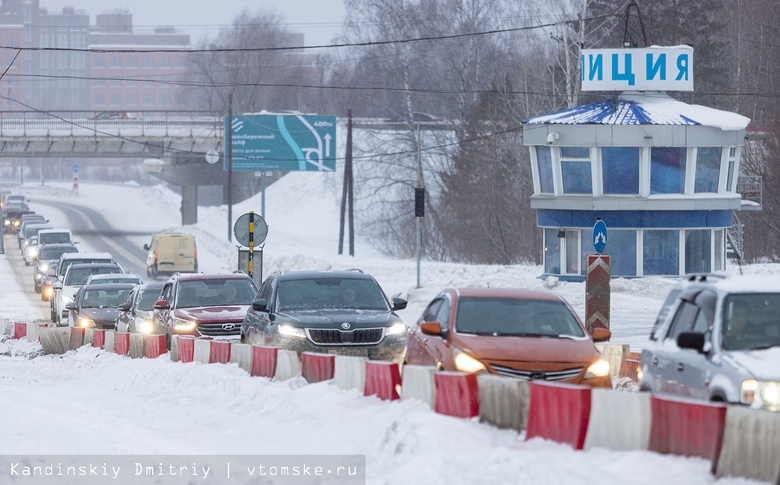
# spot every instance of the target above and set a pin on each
(660, 173)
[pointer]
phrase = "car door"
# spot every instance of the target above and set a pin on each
(417, 351)
(694, 369)
(669, 370)
(162, 316)
(255, 322)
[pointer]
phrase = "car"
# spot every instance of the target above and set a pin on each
(136, 313)
(336, 312)
(30, 251)
(516, 333)
(29, 230)
(28, 217)
(75, 277)
(66, 259)
(97, 305)
(417, 117)
(48, 236)
(129, 278)
(171, 252)
(114, 115)
(48, 255)
(719, 341)
(12, 215)
(19, 199)
(208, 305)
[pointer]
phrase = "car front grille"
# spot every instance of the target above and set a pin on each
(219, 329)
(530, 375)
(107, 325)
(359, 336)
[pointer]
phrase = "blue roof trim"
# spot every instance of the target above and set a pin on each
(610, 112)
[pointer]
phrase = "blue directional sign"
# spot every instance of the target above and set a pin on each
(75, 169)
(282, 142)
(599, 236)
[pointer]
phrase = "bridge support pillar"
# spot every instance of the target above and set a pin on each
(189, 204)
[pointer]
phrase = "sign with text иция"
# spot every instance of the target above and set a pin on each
(650, 69)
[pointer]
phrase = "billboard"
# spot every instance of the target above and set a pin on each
(282, 142)
(650, 69)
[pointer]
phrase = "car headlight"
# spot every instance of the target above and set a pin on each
(145, 326)
(7, 222)
(466, 363)
(184, 325)
(766, 393)
(31, 252)
(38, 276)
(291, 331)
(396, 328)
(43, 268)
(86, 322)
(770, 393)
(600, 368)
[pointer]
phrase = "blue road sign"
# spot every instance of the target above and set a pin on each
(599, 236)
(75, 169)
(282, 142)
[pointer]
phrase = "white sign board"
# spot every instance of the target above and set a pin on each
(650, 69)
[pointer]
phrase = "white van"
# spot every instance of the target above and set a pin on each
(49, 236)
(171, 252)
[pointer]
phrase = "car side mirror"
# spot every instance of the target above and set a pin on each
(56, 285)
(161, 305)
(399, 303)
(260, 305)
(601, 334)
(125, 307)
(146, 247)
(431, 328)
(71, 306)
(691, 340)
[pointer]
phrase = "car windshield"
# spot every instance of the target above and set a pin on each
(147, 298)
(215, 292)
(78, 276)
(104, 298)
(54, 253)
(751, 321)
(117, 279)
(330, 294)
(57, 237)
(517, 317)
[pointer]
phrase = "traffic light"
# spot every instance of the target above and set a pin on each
(419, 202)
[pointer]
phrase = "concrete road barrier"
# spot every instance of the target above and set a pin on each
(751, 445)
(559, 412)
(503, 402)
(155, 346)
(350, 372)
(137, 345)
(55, 340)
(76, 337)
(202, 350)
(618, 420)
(186, 349)
(241, 354)
(122, 343)
(383, 379)
(219, 353)
(263, 361)
(419, 383)
(317, 367)
(456, 394)
(109, 344)
(288, 365)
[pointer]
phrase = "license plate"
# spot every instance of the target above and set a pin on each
(166, 265)
(349, 352)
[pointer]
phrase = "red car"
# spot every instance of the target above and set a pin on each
(515, 333)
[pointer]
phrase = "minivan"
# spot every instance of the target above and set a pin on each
(171, 252)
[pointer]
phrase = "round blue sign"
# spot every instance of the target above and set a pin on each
(599, 236)
(75, 169)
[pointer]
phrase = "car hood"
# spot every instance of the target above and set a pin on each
(334, 318)
(231, 313)
(508, 349)
(763, 365)
(100, 314)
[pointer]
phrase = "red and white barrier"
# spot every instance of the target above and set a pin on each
(122, 343)
(219, 352)
(34, 331)
(99, 338)
(20, 330)
(383, 379)
(186, 349)
(174, 352)
(137, 345)
(241, 354)
(419, 383)
(503, 402)
(559, 412)
(202, 350)
(618, 420)
(317, 367)
(89, 336)
(288, 365)
(630, 366)
(456, 394)
(76, 337)
(155, 346)
(109, 344)
(688, 428)
(350, 372)
(55, 340)
(263, 361)
(751, 445)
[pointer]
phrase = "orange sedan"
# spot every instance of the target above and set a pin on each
(515, 333)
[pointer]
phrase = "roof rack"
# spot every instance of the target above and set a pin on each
(354, 269)
(705, 277)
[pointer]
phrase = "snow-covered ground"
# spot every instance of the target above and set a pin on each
(90, 402)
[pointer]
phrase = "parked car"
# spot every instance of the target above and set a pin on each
(97, 306)
(171, 252)
(137, 312)
(337, 312)
(523, 334)
(209, 305)
(48, 255)
(75, 277)
(719, 341)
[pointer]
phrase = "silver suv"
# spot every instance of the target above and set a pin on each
(718, 340)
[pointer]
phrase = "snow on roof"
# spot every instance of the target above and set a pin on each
(633, 108)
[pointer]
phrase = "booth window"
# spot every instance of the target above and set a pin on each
(732, 166)
(698, 252)
(707, 169)
(621, 247)
(667, 170)
(544, 167)
(552, 251)
(575, 169)
(661, 252)
(719, 249)
(620, 170)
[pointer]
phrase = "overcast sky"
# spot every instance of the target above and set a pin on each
(319, 20)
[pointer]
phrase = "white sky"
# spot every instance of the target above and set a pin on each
(319, 20)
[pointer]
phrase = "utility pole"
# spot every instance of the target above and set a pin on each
(419, 203)
(229, 135)
(347, 198)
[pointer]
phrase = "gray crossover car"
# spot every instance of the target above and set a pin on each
(719, 340)
(336, 312)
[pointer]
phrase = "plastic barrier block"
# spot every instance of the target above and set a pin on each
(219, 353)
(34, 331)
(122, 343)
(615, 354)
(630, 366)
(20, 330)
(456, 394)
(689, 428)
(155, 346)
(619, 420)
(55, 340)
(503, 402)
(109, 345)
(751, 445)
(419, 383)
(8, 328)
(186, 349)
(89, 336)
(263, 361)
(241, 354)
(383, 379)
(99, 338)
(317, 367)
(137, 345)
(350, 372)
(559, 412)
(174, 353)
(76, 337)
(202, 350)
(288, 365)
